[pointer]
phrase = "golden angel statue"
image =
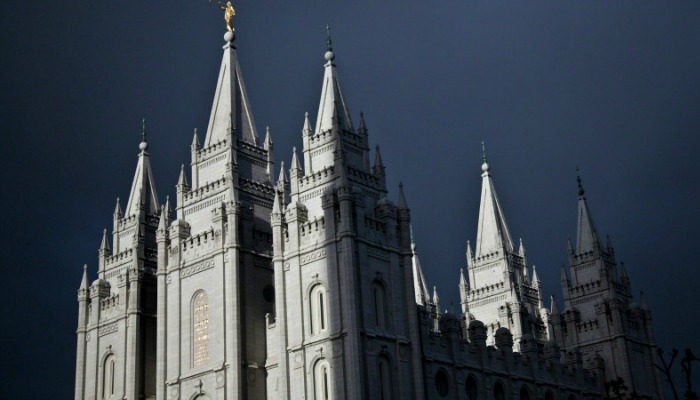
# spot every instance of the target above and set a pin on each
(229, 12)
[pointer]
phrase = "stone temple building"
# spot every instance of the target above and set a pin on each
(304, 282)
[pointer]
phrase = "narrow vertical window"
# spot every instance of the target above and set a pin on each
(200, 329)
(318, 309)
(385, 378)
(380, 314)
(322, 380)
(108, 371)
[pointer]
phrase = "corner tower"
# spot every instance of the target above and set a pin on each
(214, 265)
(117, 313)
(345, 325)
(600, 318)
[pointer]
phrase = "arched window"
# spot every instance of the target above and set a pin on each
(524, 393)
(385, 378)
(200, 329)
(498, 392)
(380, 314)
(319, 312)
(442, 383)
(472, 393)
(108, 370)
(322, 380)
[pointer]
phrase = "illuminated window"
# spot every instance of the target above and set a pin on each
(380, 314)
(319, 312)
(322, 380)
(200, 329)
(385, 378)
(108, 370)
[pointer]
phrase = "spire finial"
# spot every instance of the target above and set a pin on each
(329, 45)
(143, 145)
(485, 165)
(581, 192)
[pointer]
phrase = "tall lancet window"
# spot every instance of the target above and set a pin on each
(108, 370)
(322, 380)
(200, 329)
(319, 309)
(380, 312)
(385, 378)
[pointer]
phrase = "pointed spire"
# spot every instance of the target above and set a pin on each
(282, 179)
(419, 286)
(463, 292)
(104, 247)
(231, 107)
(470, 256)
(586, 234)
(522, 252)
(163, 221)
(296, 166)
(84, 280)
(378, 158)
(276, 208)
(363, 125)
(564, 277)
(195, 140)
(492, 234)
(143, 189)
(268, 139)
(569, 246)
(436, 299)
(118, 210)
(535, 279)
(332, 111)
(553, 305)
(168, 207)
(182, 180)
(402, 198)
(306, 130)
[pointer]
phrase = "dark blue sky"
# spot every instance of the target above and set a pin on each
(613, 86)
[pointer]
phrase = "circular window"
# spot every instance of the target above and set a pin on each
(442, 385)
(269, 293)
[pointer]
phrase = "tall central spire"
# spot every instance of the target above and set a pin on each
(493, 234)
(587, 238)
(231, 108)
(332, 111)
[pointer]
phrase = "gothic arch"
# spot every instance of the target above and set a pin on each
(107, 376)
(318, 309)
(499, 391)
(322, 380)
(471, 387)
(385, 373)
